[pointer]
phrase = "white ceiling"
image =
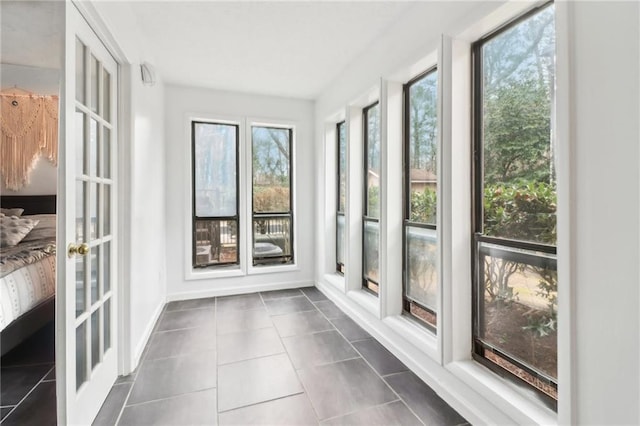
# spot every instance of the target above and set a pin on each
(292, 49)
(31, 33)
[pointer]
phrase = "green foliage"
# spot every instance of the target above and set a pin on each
(517, 133)
(524, 211)
(423, 206)
(373, 198)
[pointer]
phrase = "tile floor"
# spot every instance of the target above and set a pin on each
(287, 357)
(28, 383)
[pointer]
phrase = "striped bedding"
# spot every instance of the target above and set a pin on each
(27, 278)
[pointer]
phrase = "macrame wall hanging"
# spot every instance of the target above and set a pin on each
(28, 129)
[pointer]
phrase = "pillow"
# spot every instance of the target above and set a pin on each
(13, 229)
(12, 212)
(45, 229)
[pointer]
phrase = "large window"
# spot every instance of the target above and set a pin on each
(420, 199)
(371, 218)
(215, 193)
(272, 195)
(515, 278)
(341, 137)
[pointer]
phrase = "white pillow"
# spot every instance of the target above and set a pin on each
(13, 229)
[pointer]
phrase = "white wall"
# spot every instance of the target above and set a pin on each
(600, 355)
(180, 102)
(605, 107)
(43, 81)
(144, 148)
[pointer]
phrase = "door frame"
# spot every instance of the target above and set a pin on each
(124, 172)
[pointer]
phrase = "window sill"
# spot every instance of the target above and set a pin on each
(336, 280)
(366, 300)
(258, 270)
(517, 403)
(204, 274)
(418, 336)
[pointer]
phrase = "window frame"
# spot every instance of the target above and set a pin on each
(406, 205)
(478, 347)
(194, 217)
(365, 217)
(340, 267)
(290, 259)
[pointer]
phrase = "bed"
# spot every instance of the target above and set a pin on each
(28, 272)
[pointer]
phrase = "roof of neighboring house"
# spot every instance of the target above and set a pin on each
(422, 175)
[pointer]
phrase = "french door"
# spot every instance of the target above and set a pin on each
(86, 313)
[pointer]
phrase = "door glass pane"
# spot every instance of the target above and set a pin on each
(81, 189)
(215, 169)
(80, 127)
(105, 169)
(106, 267)
(94, 257)
(106, 209)
(95, 338)
(94, 84)
(80, 71)
(107, 324)
(106, 95)
(371, 255)
(80, 286)
(93, 148)
(422, 267)
(93, 217)
(271, 175)
(81, 354)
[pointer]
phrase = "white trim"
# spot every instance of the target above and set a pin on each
(234, 289)
(146, 335)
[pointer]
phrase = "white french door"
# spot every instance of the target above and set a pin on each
(86, 313)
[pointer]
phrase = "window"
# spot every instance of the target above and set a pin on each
(341, 201)
(215, 193)
(515, 278)
(420, 199)
(271, 195)
(371, 219)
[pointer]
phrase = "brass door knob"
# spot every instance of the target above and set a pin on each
(78, 250)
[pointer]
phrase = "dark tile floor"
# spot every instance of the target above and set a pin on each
(27, 380)
(288, 357)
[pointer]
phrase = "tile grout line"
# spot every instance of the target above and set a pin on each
(27, 394)
(370, 366)
(304, 389)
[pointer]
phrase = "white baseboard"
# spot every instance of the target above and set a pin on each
(233, 290)
(137, 355)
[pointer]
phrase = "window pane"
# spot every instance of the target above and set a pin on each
(422, 267)
(342, 166)
(272, 242)
(95, 338)
(80, 71)
(216, 242)
(518, 313)
(422, 148)
(215, 174)
(518, 166)
(372, 144)
(371, 252)
(81, 354)
(271, 150)
(340, 239)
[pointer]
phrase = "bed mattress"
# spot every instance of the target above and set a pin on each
(27, 278)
